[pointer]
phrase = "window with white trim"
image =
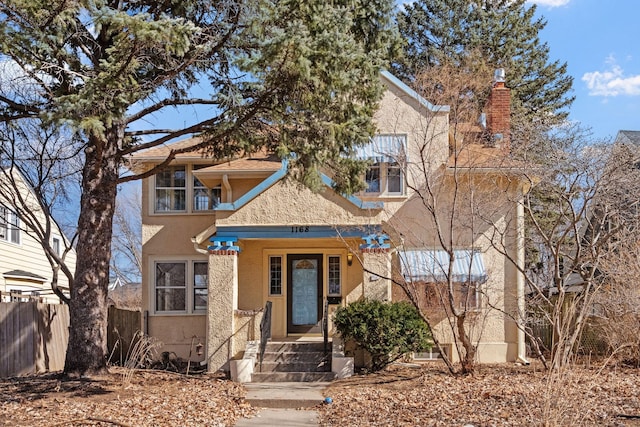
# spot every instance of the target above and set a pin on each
(200, 285)
(55, 245)
(334, 275)
(180, 286)
(171, 286)
(386, 174)
(204, 198)
(9, 225)
(385, 178)
(171, 190)
(275, 275)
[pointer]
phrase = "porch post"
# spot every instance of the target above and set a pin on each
(222, 304)
(376, 264)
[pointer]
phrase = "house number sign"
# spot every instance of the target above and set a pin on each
(300, 228)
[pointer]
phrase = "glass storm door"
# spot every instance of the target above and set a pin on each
(304, 293)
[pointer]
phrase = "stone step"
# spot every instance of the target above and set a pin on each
(293, 367)
(291, 395)
(293, 357)
(295, 346)
(278, 377)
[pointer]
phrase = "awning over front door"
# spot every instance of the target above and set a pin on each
(433, 265)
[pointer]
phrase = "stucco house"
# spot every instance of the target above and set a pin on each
(25, 271)
(221, 239)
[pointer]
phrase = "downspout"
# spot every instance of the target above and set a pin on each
(197, 247)
(522, 351)
(227, 187)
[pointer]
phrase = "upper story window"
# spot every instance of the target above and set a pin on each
(171, 190)
(55, 245)
(205, 199)
(178, 190)
(9, 226)
(387, 173)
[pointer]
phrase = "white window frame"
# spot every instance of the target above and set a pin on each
(56, 245)
(190, 287)
(172, 190)
(192, 188)
(9, 226)
(384, 169)
(386, 161)
(203, 289)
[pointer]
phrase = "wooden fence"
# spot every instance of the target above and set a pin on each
(34, 336)
(123, 331)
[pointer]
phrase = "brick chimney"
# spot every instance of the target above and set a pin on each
(498, 111)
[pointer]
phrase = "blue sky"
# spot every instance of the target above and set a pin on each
(600, 41)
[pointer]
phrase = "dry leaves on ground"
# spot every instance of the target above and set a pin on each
(148, 398)
(503, 395)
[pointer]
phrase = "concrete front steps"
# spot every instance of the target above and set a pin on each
(294, 361)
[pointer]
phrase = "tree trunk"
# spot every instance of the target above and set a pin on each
(468, 362)
(87, 350)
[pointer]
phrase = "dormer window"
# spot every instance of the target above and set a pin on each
(386, 174)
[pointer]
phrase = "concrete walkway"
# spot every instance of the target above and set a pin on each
(284, 404)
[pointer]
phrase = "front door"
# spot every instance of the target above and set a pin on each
(304, 293)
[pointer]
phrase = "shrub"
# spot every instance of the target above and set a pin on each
(386, 330)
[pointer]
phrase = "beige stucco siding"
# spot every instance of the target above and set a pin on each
(426, 130)
(480, 204)
(287, 203)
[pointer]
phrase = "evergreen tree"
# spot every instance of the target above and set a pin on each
(298, 76)
(504, 33)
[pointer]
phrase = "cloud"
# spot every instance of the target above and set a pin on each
(612, 82)
(550, 3)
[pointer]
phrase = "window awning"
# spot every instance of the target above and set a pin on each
(383, 148)
(433, 265)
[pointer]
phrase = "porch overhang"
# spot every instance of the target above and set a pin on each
(294, 231)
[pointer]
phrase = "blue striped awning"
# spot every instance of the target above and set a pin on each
(433, 265)
(383, 148)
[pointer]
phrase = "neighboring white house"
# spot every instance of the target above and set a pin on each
(24, 269)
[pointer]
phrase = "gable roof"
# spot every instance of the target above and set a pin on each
(628, 137)
(257, 162)
(394, 81)
(161, 152)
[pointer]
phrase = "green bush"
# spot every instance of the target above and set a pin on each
(386, 330)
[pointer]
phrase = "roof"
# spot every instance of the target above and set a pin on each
(628, 137)
(478, 156)
(21, 274)
(257, 162)
(162, 151)
(390, 78)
